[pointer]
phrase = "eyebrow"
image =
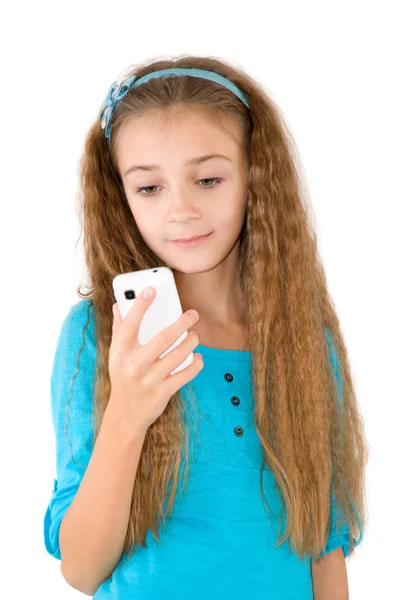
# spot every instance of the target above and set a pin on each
(193, 161)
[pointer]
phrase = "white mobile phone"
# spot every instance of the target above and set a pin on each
(165, 308)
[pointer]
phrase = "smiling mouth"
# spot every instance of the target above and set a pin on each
(195, 237)
(191, 243)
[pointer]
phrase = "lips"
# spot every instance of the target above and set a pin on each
(192, 242)
(195, 237)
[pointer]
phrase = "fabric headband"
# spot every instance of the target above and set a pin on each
(120, 87)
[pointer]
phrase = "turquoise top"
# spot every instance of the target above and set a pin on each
(220, 540)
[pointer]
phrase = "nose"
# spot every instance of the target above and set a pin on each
(182, 205)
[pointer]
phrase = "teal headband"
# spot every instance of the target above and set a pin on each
(120, 88)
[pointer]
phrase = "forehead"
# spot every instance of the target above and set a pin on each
(177, 136)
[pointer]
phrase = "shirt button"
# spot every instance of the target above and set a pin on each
(228, 377)
(238, 431)
(235, 400)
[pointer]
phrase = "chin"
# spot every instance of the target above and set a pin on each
(192, 265)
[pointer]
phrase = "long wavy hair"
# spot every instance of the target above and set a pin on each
(312, 445)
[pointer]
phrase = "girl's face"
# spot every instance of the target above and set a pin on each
(174, 193)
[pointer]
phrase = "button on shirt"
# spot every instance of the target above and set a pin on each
(219, 542)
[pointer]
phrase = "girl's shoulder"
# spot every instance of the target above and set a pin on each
(81, 309)
(78, 324)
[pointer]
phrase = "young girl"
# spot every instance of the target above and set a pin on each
(241, 476)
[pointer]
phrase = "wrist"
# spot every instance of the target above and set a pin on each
(115, 422)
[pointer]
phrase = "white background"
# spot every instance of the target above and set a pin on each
(332, 69)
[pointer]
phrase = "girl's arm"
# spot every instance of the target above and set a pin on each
(87, 517)
(329, 576)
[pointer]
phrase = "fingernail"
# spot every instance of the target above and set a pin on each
(147, 292)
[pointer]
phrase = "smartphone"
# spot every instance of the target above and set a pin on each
(164, 310)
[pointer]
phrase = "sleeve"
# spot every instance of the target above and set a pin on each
(338, 536)
(72, 382)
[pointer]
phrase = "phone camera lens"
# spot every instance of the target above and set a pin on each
(129, 294)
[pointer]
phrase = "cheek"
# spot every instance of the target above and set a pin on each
(151, 232)
(228, 217)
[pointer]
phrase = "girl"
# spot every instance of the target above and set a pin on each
(241, 476)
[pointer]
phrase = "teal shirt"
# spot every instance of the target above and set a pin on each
(220, 541)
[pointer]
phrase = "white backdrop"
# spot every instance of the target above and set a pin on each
(331, 67)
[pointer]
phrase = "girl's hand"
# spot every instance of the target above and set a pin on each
(141, 384)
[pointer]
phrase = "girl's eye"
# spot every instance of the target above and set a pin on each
(210, 187)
